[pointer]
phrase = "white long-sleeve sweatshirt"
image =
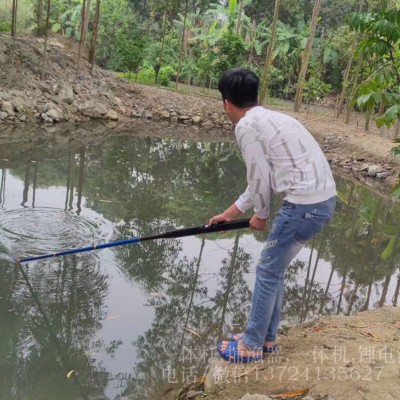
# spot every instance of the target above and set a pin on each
(280, 155)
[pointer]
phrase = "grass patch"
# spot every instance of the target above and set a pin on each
(189, 89)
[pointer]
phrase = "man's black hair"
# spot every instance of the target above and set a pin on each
(240, 87)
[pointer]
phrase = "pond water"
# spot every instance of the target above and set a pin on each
(134, 321)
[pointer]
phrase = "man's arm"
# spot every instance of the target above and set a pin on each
(244, 202)
(228, 215)
(232, 212)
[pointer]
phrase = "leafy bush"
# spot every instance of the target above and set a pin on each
(229, 52)
(148, 75)
(278, 85)
(315, 89)
(5, 27)
(165, 75)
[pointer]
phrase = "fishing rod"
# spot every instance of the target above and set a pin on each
(196, 230)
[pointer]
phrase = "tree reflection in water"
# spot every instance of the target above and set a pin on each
(57, 314)
(146, 186)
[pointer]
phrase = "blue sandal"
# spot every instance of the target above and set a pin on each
(266, 349)
(231, 354)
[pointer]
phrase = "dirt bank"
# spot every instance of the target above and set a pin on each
(332, 358)
(337, 357)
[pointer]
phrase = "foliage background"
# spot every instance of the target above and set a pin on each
(135, 35)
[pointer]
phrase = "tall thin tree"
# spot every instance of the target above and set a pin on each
(87, 18)
(39, 20)
(82, 36)
(46, 36)
(239, 19)
(93, 48)
(14, 18)
(3, 186)
(232, 269)
(164, 32)
(396, 292)
(306, 57)
(354, 86)
(346, 75)
(268, 62)
(178, 71)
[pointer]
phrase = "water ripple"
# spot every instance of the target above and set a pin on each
(33, 231)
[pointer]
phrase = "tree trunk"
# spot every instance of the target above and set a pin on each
(232, 269)
(348, 249)
(160, 59)
(69, 179)
(39, 21)
(377, 254)
(81, 179)
(35, 173)
(193, 291)
(397, 129)
(239, 20)
(46, 36)
(353, 298)
(306, 58)
(396, 292)
(319, 253)
(306, 282)
(384, 290)
(26, 185)
(342, 247)
(367, 121)
(93, 48)
(353, 88)
(252, 34)
(82, 38)
(72, 182)
(325, 297)
(268, 62)
(14, 18)
(182, 46)
(86, 21)
(3, 186)
(342, 287)
(346, 75)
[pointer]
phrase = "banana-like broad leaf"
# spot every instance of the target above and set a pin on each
(232, 7)
(389, 249)
(56, 27)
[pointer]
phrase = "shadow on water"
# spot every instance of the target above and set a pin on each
(137, 320)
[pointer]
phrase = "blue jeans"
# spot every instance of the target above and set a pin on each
(292, 227)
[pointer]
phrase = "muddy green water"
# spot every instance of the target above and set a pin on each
(134, 321)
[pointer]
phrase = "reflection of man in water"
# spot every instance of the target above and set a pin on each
(157, 69)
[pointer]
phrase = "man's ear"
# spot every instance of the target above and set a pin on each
(227, 105)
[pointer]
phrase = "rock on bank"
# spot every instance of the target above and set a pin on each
(51, 90)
